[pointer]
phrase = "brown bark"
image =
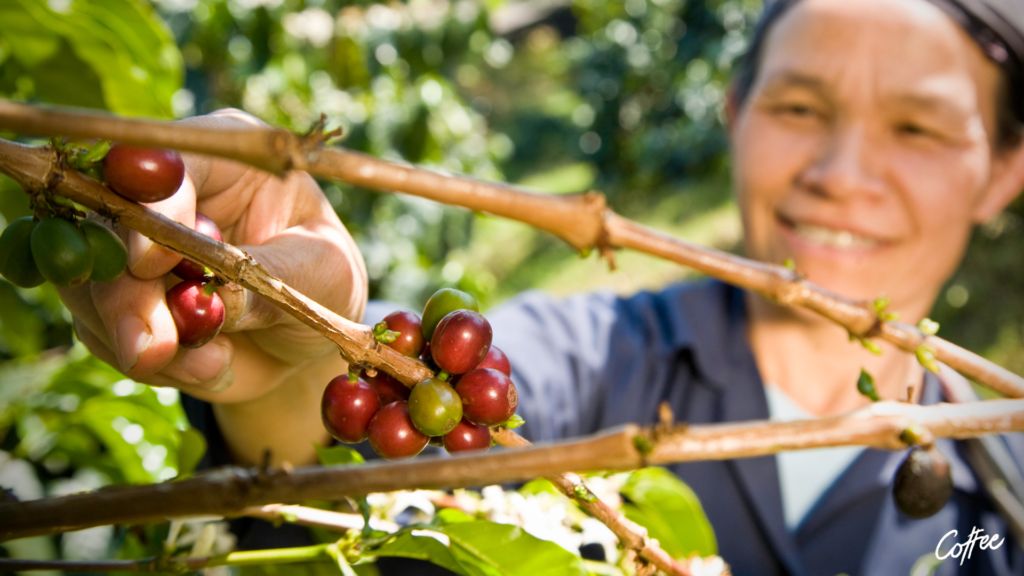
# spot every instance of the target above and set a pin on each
(227, 491)
(581, 220)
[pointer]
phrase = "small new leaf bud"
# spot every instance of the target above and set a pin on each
(866, 386)
(926, 356)
(928, 327)
(583, 494)
(514, 422)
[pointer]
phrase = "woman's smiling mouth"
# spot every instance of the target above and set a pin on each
(825, 237)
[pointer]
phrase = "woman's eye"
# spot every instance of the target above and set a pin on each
(800, 110)
(911, 129)
(796, 110)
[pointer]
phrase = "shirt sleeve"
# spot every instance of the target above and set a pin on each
(587, 362)
(558, 350)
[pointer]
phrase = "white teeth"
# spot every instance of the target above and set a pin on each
(832, 238)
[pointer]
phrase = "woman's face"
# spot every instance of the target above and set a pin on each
(864, 149)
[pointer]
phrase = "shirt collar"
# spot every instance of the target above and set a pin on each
(709, 319)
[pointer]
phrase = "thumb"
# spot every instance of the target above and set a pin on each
(318, 260)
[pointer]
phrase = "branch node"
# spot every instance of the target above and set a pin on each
(917, 435)
(665, 415)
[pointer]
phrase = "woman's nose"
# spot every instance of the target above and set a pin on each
(848, 165)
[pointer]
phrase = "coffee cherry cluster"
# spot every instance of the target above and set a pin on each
(59, 247)
(471, 392)
(63, 250)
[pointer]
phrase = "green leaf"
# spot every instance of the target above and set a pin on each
(866, 385)
(451, 516)
(492, 549)
(332, 455)
(191, 447)
(670, 511)
(67, 50)
(421, 548)
(538, 486)
(383, 335)
(97, 152)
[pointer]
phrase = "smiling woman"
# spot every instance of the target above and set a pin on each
(869, 141)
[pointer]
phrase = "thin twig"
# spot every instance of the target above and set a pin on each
(314, 517)
(631, 535)
(225, 491)
(317, 553)
(582, 220)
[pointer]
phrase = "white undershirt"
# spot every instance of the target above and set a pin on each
(804, 475)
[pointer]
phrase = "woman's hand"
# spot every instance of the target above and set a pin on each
(288, 226)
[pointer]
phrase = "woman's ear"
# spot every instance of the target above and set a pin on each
(1006, 184)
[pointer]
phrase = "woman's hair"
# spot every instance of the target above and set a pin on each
(1009, 124)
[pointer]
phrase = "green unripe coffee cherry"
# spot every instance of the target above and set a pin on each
(61, 252)
(443, 302)
(16, 263)
(434, 407)
(109, 254)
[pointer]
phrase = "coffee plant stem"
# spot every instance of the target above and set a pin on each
(582, 220)
(316, 553)
(314, 517)
(227, 491)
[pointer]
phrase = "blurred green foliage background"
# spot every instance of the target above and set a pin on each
(555, 95)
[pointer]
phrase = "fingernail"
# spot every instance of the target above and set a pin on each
(206, 365)
(133, 339)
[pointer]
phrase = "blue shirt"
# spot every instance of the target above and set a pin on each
(595, 361)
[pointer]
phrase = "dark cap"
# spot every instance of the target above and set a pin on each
(997, 26)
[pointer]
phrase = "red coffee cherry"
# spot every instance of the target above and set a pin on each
(143, 174)
(467, 436)
(198, 315)
(347, 407)
(392, 434)
(388, 388)
(496, 359)
(189, 270)
(410, 340)
(489, 397)
(460, 341)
